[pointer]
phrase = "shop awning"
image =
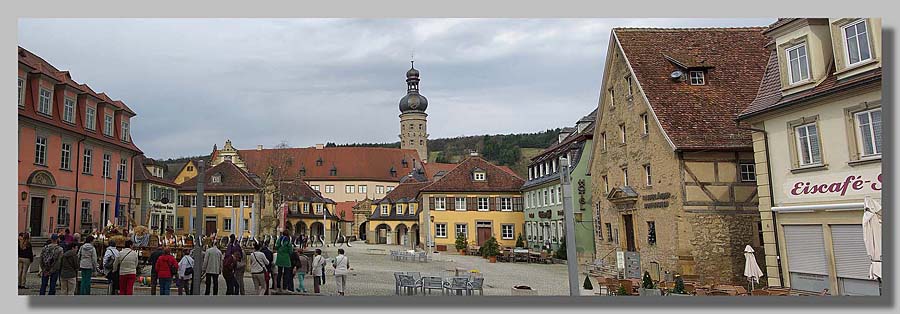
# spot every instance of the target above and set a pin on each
(808, 208)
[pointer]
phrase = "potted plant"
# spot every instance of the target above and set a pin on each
(461, 243)
(491, 249)
(679, 287)
(520, 242)
(621, 290)
(647, 286)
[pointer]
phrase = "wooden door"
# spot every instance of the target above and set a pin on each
(483, 234)
(37, 216)
(210, 227)
(629, 234)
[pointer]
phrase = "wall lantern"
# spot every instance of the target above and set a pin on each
(432, 218)
(24, 195)
(53, 198)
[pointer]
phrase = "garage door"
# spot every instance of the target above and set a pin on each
(807, 264)
(851, 261)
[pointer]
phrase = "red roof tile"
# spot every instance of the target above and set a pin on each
(351, 163)
(437, 168)
(460, 178)
(698, 117)
(345, 209)
(141, 173)
(233, 179)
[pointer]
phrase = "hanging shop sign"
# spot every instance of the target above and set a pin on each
(834, 185)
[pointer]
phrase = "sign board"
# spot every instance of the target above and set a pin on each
(620, 260)
(632, 265)
(833, 185)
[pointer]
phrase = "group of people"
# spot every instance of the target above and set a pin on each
(67, 261)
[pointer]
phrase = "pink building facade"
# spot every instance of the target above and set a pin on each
(72, 143)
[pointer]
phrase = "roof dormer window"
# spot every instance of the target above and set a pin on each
(319, 161)
(216, 178)
(479, 175)
(333, 171)
(856, 36)
(393, 172)
(302, 171)
(405, 163)
(798, 63)
(697, 78)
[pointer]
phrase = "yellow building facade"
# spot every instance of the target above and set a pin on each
(475, 223)
(227, 189)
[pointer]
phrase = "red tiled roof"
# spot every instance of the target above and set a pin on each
(460, 178)
(406, 192)
(698, 117)
(141, 173)
(433, 168)
(346, 208)
(769, 96)
(298, 190)
(233, 179)
(351, 163)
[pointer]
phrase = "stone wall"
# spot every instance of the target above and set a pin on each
(718, 242)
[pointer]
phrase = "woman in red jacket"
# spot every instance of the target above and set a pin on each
(166, 268)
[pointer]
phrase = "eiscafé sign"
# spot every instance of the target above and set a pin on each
(835, 185)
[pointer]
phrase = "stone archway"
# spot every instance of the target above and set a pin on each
(288, 227)
(300, 228)
(382, 233)
(402, 235)
(362, 230)
(316, 229)
(415, 235)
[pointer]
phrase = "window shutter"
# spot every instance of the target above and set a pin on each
(220, 200)
(236, 200)
(450, 203)
(431, 202)
(850, 257)
(471, 203)
(806, 249)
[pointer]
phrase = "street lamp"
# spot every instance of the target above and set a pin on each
(569, 215)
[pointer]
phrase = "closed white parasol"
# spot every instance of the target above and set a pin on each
(872, 231)
(751, 268)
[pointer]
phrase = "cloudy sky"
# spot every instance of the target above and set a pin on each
(197, 82)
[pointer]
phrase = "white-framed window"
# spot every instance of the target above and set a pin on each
(479, 176)
(506, 204)
(389, 188)
(86, 161)
(697, 78)
(411, 209)
(179, 223)
(123, 168)
(856, 37)
(90, 118)
(315, 187)
(460, 204)
(748, 172)
(216, 178)
(612, 97)
(483, 204)
(106, 161)
(553, 165)
(125, 131)
(245, 200)
(211, 201)
(319, 207)
(798, 63)
(385, 209)
(629, 85)
(399, 209)
(648, 178)
(440, 230)
(551, 233)
(362, 189)
(329, 188)
(229, 202)
(603, 140)
(552, 195)
(546, 197)
(462, 229)
(65, 160)
(62, 211)
(379, 189)
(624, 176)
(246, 225)
(305, 208)
(440, 203)
(69, 110)
(559, 195)
(559, 230)
(808, 144)
(226, 224)
(45, 102)
(21, 91)
(108, 125)
(868, 126)
(349, 189)
(40, 150)
(622, 131)
(507, 231)
(605, 184)
(193, 200)
(645, 119)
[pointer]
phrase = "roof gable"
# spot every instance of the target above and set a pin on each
(357, 163)
(460, 178)
(232, 179)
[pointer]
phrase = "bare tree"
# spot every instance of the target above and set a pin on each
(278, 164)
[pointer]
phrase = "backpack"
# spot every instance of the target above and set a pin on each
(47, 259)
(108, 263)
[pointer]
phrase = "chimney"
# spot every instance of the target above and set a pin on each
(473, 153)
(320, 146)
(259, 147)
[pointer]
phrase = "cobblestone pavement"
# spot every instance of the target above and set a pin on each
(372, 274)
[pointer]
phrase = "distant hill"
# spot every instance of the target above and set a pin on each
(513, 150)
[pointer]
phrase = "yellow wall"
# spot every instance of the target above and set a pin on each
(220, 213)
(185, 175)
(470, 217)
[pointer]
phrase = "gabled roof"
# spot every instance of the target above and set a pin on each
(769, 96)
(351, 163)
(345, 209)
(433, 169)
(404, 193)
(697, 117)
(300, 191)
(233, 179)
(141, 173)
(37, 65)
(460, 178)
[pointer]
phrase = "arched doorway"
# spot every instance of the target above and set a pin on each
(415, 235)
(316, 229)
(362, 230)
(402, 235)
(300, 228)
(288, 227)
(381, 234)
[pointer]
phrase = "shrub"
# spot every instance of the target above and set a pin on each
(646, 282)
(561, 250)
(587, 283)
(520, 242)
(621, 291)
(679, 286)
(490, 248)
(461, 242)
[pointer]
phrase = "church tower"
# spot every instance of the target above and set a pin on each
(413, 119)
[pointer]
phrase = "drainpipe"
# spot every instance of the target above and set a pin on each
(77, 175)
(771, 198)
(131, 186)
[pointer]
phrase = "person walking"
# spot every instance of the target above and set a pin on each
(240, 268)
(228, 273)
(186, 273)
(154, 277)
(87, 256)
(212, 265)
(283, 262)
(341, 266)
(26, 257)
(166, 269)
(302, 268)
(126, 265)
(68, 270)
(318, 270)
(258, 268)
(51, 256)
(109, 258)
(270, 266)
